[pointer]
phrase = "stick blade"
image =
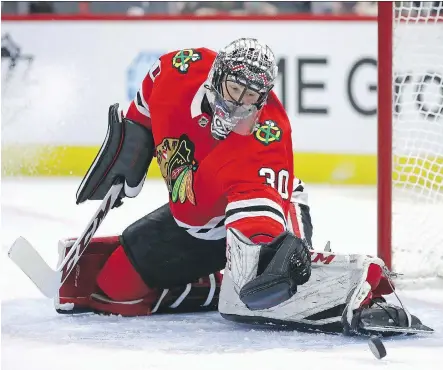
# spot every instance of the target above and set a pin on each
(32, 264)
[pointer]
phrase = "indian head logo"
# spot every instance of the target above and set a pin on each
(175, 158)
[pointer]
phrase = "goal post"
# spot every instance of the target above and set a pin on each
(384, 132)
(410, 138)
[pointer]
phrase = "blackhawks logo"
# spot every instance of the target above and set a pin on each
(268, 132)
(175, 158)
(182, 60)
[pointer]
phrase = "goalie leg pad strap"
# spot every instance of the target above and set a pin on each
(201, 295)
(125, 154)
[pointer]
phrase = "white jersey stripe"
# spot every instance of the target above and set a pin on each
(209, 231)
(253, 203)
(239, 215)
(210, 224)
(213, 234)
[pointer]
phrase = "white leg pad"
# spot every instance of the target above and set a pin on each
(336, 279)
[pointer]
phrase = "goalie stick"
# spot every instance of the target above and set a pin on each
(33, 265)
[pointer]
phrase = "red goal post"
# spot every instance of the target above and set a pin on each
(410, 138)
(384, 138)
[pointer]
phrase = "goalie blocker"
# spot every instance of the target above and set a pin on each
(125, 156)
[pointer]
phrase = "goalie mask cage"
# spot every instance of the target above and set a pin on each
(410, 139)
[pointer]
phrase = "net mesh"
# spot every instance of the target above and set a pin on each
(417, 228)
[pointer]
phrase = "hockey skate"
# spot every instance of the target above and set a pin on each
(376, 316)
(384, 319)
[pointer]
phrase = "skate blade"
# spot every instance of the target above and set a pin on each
(420, 329)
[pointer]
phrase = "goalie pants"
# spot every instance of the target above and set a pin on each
(162, 254)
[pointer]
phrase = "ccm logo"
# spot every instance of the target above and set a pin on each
(321, 258)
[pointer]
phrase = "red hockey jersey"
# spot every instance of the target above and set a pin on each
(243, 181)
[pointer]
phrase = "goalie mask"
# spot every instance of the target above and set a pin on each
(239, 82)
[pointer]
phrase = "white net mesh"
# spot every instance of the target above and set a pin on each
(417, 228)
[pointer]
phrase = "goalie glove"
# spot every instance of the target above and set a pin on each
(267, 275)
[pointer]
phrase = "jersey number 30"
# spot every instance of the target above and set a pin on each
(278, 181)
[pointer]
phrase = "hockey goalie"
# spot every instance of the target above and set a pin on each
(222, 141)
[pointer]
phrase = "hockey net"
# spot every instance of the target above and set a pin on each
(411, 139)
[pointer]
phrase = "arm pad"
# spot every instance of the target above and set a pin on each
(125, 155)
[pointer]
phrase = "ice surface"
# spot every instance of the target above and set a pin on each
(34, 336)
